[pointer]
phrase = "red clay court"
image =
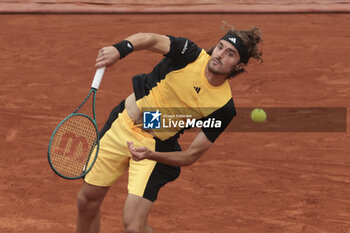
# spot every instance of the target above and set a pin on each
(249, 182)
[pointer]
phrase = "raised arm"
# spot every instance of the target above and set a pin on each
(109, 55)
(176, 158)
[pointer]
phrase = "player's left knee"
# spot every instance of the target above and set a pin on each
(85, 205)
(133, 228)
(132, 225)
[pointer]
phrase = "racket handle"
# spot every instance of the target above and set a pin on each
(98, 77)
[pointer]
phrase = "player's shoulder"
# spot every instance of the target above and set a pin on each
(183, 49)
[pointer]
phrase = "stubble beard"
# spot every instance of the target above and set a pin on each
(212, 69)
(218, 71)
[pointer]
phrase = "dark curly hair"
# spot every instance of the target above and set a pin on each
(251, 38)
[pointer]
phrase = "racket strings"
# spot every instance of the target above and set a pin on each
(73, 145)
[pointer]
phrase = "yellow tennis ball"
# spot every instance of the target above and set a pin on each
(258, 115)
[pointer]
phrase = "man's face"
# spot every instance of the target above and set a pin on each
(224, 58)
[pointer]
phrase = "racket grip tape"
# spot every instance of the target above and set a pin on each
(98, 77)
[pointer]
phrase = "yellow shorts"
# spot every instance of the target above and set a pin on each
(146, 177)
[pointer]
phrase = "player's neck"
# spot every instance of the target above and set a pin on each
(214, 79)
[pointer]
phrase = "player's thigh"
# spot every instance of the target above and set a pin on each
(136, 211)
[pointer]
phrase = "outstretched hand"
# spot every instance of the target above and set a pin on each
(107, 56)
(138, 153)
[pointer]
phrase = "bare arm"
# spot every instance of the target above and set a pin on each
(107, 56)
(177, 158)
(154, 42)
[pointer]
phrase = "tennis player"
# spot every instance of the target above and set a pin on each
(187, 78)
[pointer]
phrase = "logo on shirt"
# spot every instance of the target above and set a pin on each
(151, 120)
(185, 47)
(197, 89)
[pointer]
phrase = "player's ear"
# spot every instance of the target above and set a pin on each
(239, 66)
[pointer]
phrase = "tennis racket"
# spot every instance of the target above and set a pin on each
(74, 144)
